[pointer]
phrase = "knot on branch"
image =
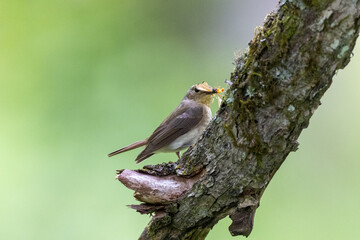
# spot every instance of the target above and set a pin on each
(243, 217)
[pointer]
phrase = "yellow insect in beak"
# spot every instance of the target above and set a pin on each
(218, 90)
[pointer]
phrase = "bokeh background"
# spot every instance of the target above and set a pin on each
(79, 79)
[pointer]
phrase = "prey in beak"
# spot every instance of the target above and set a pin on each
(204, 87)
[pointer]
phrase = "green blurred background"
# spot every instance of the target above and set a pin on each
(80, 78)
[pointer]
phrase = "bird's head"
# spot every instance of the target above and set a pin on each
(202, 93)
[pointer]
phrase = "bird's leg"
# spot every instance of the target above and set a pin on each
(178, 154)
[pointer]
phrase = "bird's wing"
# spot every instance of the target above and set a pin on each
(171, 129)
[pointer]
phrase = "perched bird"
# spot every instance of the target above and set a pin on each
(182, 128)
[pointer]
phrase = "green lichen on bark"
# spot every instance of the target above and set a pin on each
(276, 87)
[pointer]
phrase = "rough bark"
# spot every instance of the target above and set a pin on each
(275, 88)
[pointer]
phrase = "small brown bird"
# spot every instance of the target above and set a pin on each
(182, 128)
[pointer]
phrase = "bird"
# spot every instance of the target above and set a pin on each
(182, 128)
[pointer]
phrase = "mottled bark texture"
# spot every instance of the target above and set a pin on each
(276, 87)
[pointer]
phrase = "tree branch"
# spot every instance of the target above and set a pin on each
(276, 87)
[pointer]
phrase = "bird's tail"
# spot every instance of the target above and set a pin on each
(130, 147)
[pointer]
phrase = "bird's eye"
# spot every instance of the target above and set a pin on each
(196, 90)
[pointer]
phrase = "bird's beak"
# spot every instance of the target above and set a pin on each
(205, 88)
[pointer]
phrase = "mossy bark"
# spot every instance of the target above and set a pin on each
(276, 87)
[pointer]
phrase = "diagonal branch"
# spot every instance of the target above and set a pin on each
(276, 87)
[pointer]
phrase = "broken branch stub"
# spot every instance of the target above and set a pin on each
(156, 189)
